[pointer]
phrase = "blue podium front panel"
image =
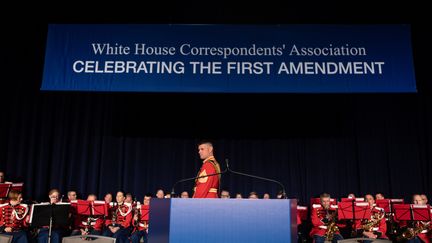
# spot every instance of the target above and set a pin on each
(218, 220)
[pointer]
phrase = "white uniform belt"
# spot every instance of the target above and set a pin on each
(423, 231)
(141, 225)
(85, 223)
(375, 228)
(322, 227)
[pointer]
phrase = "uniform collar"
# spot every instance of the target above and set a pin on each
(209, 158)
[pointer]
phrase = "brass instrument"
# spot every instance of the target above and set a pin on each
(332, 227)
(114, 214)
(137, 212)
(373, 222)
(411, 232)
(87, 227)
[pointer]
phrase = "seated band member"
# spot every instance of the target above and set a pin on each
(118, 222)
(72, 195)
(324, 221)
(86, 224)
(141, 221)
(375, 227)
(184, 194)
(418, 231)
(424, 199)
(379, 196)
(160, 194)
(225, 194)
(253, 195)
(3, 178)
(57, 233)
(14, 218)
(108, 198)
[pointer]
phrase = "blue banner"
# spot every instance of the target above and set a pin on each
(229, 58)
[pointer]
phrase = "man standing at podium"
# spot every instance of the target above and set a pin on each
(207, 186)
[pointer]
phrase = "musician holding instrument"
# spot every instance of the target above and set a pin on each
(417, 231)
(119, 220)
(324, 221)
(375, 227)
(141, 220)
(14, 218)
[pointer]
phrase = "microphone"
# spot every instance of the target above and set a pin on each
(194, 178)
(257, 177)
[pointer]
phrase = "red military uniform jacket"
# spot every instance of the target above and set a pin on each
(318, 213)
(15, 217)
(119, 215)
(380, 226)
(207, 187)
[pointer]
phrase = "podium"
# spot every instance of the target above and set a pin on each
(215, 220)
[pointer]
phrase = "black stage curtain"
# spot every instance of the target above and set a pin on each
(103, 142)
(98, 143)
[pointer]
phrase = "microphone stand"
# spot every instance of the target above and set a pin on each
(257, 177)
(194, 178)
(227, 169)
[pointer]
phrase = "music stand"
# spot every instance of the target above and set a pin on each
(145, 212)
(44, 214)
(18, 186)
(412, 212)
(318, 201)
(302, 212)
(350, 199)
(90, 209)
(99, 208)
(4, 190)
(354, 210)
(384, 204)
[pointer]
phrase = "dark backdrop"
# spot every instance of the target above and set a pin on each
(139, 142)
